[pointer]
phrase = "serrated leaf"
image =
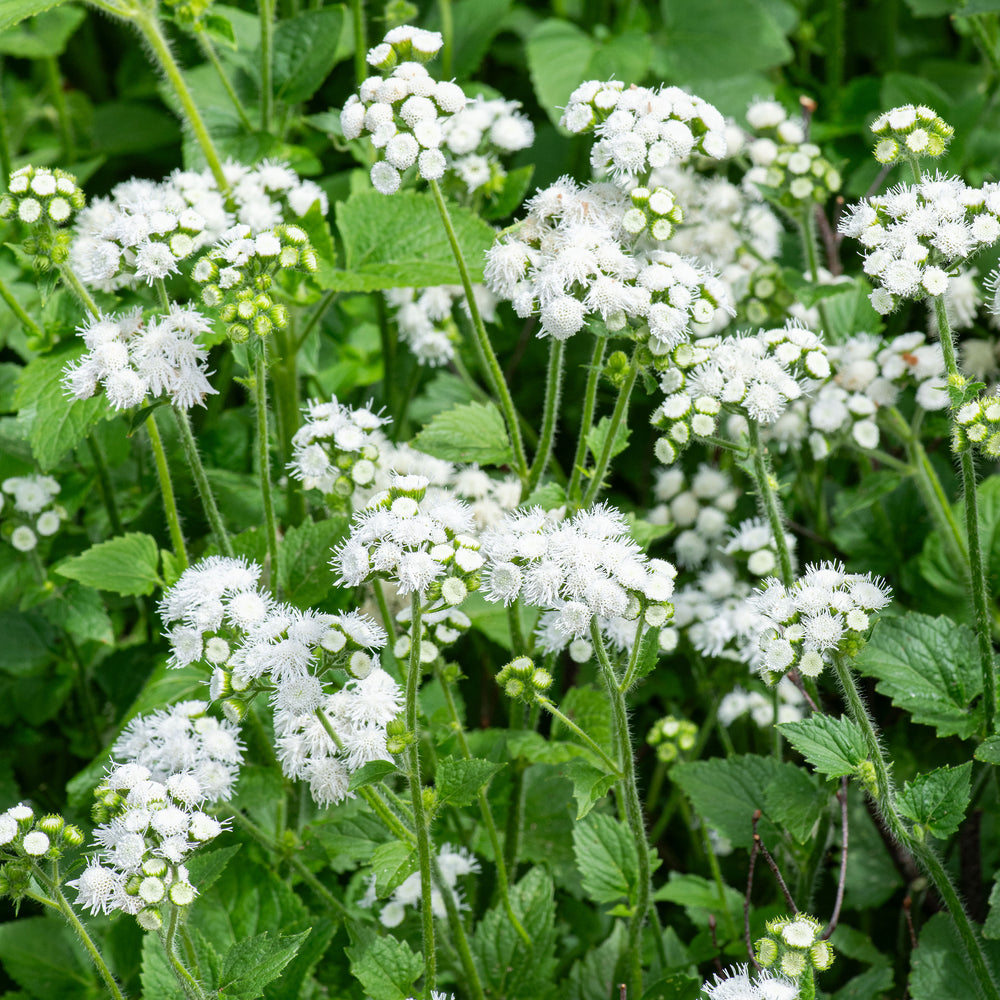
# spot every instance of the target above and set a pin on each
(124, 565)
(928, 666)
(598, 435)
(593, 976)
(44, 36)
(649, 653)
(936, 802)
(81, 612)
(991, 929)
(795, 801)
(305, 50)
(472, 432)
(305, 559)
(590, 784)
(14, 11)
(205, 867)
(370, 773)
(56, 423)
(938, 966)
(458, 780)
(700, 898)
(385, 967)
(392, 864)
(44, 956)
(834, 747)
(399, 242)
(989, 751)
(253, 962)
(606, 858)
(157, 977)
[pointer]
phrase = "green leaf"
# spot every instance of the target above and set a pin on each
(385, 967)
(590, 784)
(27, 642)
(205, 867)
(936, 802)
(507, 200)
(795, 801)
(157, 977)
(305, 50)
(834, 747)
(991, 929)
(44, 35)
(400, 242)
(124, 565)
(43, 956)
(392, 864)
(593, 976)
(989, 750)
(700, 898)
(928, 666)
(598, 434)
(370, 773)
(458, 780)
(14, 11)
(473, 432)
(649, 653)
(305, 559)
(81, 612)
(509, 968)
(548, 496)
(253, 962)
(132, 127)
(606, 858)
(674, 986)
(938, 966)
(57, 423)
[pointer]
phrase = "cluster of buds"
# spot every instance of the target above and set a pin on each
(238, 274)
(655, 212)
(32, 513)
(45, 201)
(403, 110)
(25, 841)
(794, 947)
(671, 737)
(522, 680)
(910, 132)
(189, 13)
(768, 298)
(978, 423)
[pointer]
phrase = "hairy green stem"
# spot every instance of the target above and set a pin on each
(553, 390)
(69, 276)
(448, 34)
(213, 57)
(188, 983)
(360, 41)
(767, 489)
(389, 625)
(200, 476)
(807, 234)
(266, 10)
(167, 491)
(413, 674)
(104, 484)
(977, 574)
(885, 799)
(633, 659)
(286, 406)
(472, 981)
(588, 741)
(264, 468)
(617, 416)
(487, 356)
(629, 792)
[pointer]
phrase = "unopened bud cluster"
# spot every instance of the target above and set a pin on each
(523, 681)
(978, 424)
(32, 512)
(43, 200)
(26, 840)
(655, 212)
(910, 131)
(237, 276)
(794, 946)
(672, 737)
(404, 110)
(336, 449)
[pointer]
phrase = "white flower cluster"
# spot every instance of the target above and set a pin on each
(791, 171)
(336, 449)
(712, 614)
(910, 131)
(753, 543)
(420, 543)
(638, 129)
(255, 643)
(424, 317)
(37, 194)
(755, 375)
(478, 135)
(914, 234)
(452, 862)
(439, 627)
(806, 624)
(131, 357)
(736, 704)
(404, 112)
(32, 496)
(582, 568)
(568, 260)
(739, 984)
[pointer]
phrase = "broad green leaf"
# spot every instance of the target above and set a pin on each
(548, 496)
(590, 784)
(56, 423)
(458, 780)
(870, 985)
(938, 966)
(43, 955)
(132, 127)
(44, 35)
(674, 986)
(649, 653)
(370, 773)
(928, 666)
(473, 432)
(700, 898)
(124, 565)
(598, 435)
(400, 242)
(392, 864)
(590, 708)
(593, 976)
(507, 200)
(205, 867)
(834, 747)
(989, 750)
(606, 858)
(14, 11)
(253, 962)
(291, 984)
(936, 802)
(991, 929)
(385, 967)
(27, 642)
(81, 612)
(851, 312)
(795, 801)
(305, 50)
(305, 559)
(157, 977)
(509, 968)
(476, 22)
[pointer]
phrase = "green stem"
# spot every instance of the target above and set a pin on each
(30, 326)
(472, 981)
(62, 112)
(188, 983)
(767, 491)
(388, 624)
(69, 276)
(104, 484)
(213, 57)
(266, 10)
(487, 356)
(487, 815)
(5, 163)
(517, 640)
(807, 233)
(448, 34)
(720, 886)
(553, 388)
(315, 316)
(633, 660)
(977, 575)
(167, 491)
(149, 26)
(986, 44)
(286, 406)
(197, 468)
(629, 792)
(264, 467)
(360, 42)
(885, 799)
(413, 674)
(588, 741)
(619, 413)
